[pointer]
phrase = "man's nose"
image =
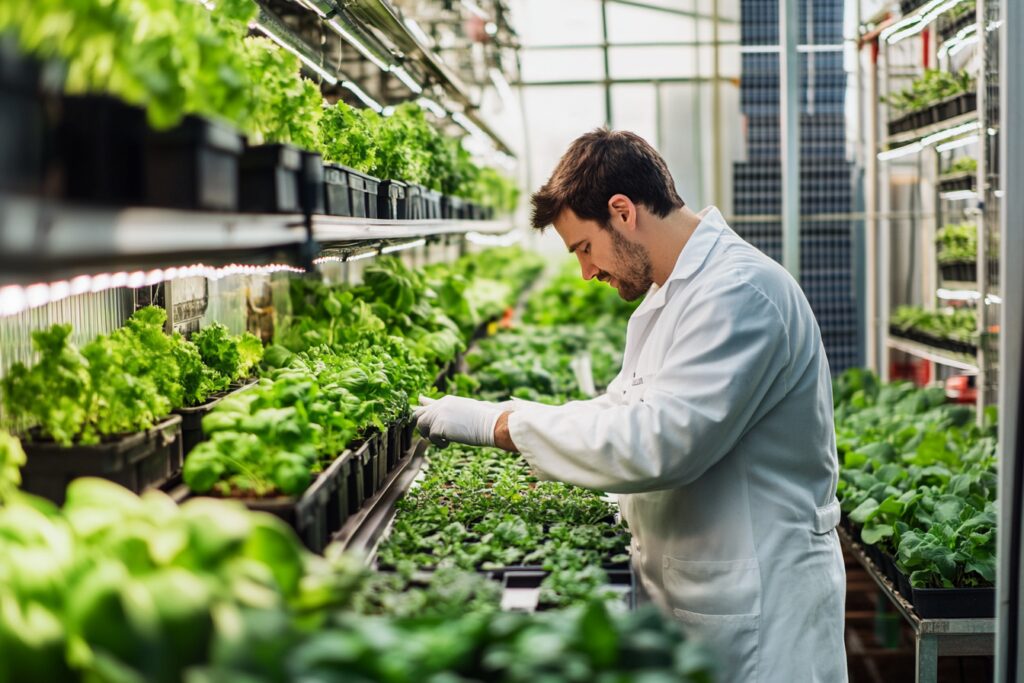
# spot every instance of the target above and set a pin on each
(587, 269)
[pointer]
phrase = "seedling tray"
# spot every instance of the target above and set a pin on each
(136, 461)
(336, 192)
(362, 194)
(960, 182)
(451, 207)
(414, 199)
(531, 580)
(954, 603)
(309, 514)
(100, 150)
(193, 166)
(311, 183)
(270, 179)
(963, 271)
(192, 418)
(391, 200)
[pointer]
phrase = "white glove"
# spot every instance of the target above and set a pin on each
(454, 418)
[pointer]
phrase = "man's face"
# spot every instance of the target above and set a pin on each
(607, 254)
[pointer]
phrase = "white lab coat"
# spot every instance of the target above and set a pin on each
(718, 434)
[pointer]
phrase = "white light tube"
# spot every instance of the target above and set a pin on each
(404, 76)
(432, 106)
(363, 97)
(358, 45)
(390, 249)
(954, 144)
(485, 240)
(500, 83)
(475, 9)
(950, 133)
(918, 22)
(958, 195)
(418, 33)
(906, 150)
(957, 294)
(323, 73)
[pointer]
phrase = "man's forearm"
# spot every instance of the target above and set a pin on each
(502, 437)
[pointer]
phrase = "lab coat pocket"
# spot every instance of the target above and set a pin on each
(731, 639)
(728, 587)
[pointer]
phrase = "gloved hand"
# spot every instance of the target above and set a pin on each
(454, 418)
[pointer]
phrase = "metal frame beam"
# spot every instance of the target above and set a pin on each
(789, 121)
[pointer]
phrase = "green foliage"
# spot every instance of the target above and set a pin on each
(957, 243)
(933, 86)
(12, 457)
(919, 476)
(284, 107)
(234, 357)
(959, 324)
(346, 136)
(962, 165)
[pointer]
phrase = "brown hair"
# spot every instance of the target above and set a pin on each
(600, 164)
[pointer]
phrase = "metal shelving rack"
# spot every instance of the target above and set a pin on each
(906, 200)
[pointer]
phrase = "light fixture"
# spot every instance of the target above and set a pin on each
(957, 294)
(418, 33)
(958, 195)
(500, 83)
(898, 152)
(490, 28)
(319, 70)
(363, 97)
(16, 299)
(404, 76)
(475, 9)
(950, 133)
(912, 25)
(485, 240)
(392, 248)
(352, 40)
(954, 144)
(432, 106)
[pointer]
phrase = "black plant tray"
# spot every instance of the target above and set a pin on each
(954, 603)
(311, 184)
(451, 207)
(192, 417)
(908, 6)
(25, 142)
(431, 204)
(395, 442)
(368, 471)
(526, 578)
(391, 200)
(933, 341)
(960, 271)
(136, 461)
(270, 179)
(193, 166)
(100, 150)
(362, 197)
(338, 507)
(310, 514)
(956, 183)
(414, 198)
(336, 192)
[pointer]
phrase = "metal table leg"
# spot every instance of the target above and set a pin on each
(927, 665)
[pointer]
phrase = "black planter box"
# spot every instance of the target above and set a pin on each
(338, 507)
(311, 183)
(192, 418)
(408, 436)
(362, 194)
(451, 207)
(954, 603)
(23, 119)
(193, 166)
(136, 461)
(903, 586)
(908, 6)
(270, 179)
(431, 204)
(358, 461)
(309, 514)
(959, 182)
(959, 271)
(391, 200)
(100, 150)
(414, 198)
(968, 102)
(336, 192)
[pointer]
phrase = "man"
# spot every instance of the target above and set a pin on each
(718, 431)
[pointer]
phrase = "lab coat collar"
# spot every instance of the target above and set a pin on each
(692, 257)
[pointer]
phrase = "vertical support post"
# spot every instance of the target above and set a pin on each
(717, 155)
(607, 65)
(659, 117)
(1009, 625)
(873, 352)
(984, 195)
(926, 668)
(789, 121)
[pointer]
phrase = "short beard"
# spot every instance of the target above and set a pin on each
(636, 264)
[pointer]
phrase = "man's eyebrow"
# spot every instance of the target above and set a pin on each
(573, 248)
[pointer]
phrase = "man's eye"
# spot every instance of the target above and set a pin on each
(586, 249)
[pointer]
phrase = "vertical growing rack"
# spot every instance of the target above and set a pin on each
(921, 187)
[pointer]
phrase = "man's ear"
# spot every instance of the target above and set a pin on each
(622, 212)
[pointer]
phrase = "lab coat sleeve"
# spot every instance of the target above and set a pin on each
(724, 369)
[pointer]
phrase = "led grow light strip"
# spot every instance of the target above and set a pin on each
(319, 70)
(418, 33)
(898, 152)
(404, 76)
(500, 83)
(16, 299)
(485, 240)
(392, 248)
(913, 25)
(957, 195)
(954, 144)
(361, 94)
(352, 40)
(927, 141)
(432, 106)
